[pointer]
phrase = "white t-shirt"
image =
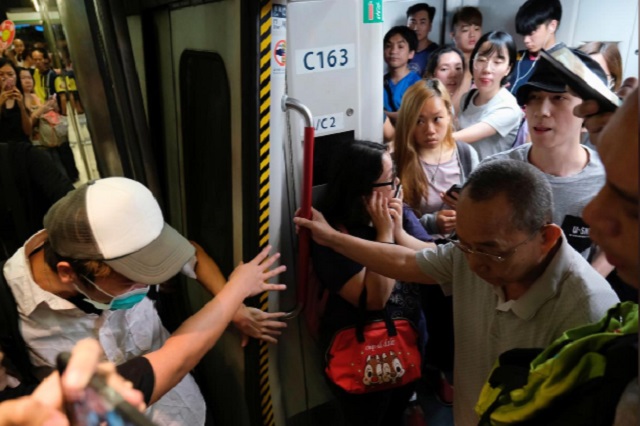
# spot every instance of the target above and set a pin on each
(502, 113)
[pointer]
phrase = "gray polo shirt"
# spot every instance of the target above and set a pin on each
(569, 293)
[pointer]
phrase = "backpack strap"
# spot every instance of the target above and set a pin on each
(387, 88)
(470, 96)
(464, 153)
(16, 360)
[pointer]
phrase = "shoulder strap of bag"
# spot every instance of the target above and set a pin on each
(465, 157)
(470, 96)
(362, 315)
(11, 341)
(387, 88)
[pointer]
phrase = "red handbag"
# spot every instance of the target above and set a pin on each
(379, 355)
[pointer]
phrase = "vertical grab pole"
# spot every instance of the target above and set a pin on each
(304, 235)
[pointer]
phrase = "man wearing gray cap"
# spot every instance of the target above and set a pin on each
(87, 273)
(574, 171)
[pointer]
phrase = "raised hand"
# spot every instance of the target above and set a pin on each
(255, 274)
(378, 208)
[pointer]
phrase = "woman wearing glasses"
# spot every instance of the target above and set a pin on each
(489, 115)
(361, 187)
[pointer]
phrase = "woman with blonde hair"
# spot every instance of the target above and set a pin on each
(429, 162)
(428, 158)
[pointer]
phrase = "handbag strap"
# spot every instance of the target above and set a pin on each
(362, 315)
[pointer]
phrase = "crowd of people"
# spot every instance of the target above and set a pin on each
(498, 170)
(509, 196)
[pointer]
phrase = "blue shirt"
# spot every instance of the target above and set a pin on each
(397, 90)
(420, 60)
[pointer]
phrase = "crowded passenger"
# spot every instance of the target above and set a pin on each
(537, 22)
(430, 162)
(447, 64)
(489, 115)
(607, 55)
(35, 107)
(613, 214)
(399, 47)
(429, 159)
(420, 19)
(22, 57)
(466, 30)
(574, 171)
(15, 121)
(43, 75)
(66, 89)
(589, 375)
(88, 273)
(362, 183)
(514, 279)
(31, 179)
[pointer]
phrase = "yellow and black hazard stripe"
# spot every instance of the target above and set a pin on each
(266, 405)
(256, 151)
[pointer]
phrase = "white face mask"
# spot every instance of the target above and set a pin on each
(123, 301)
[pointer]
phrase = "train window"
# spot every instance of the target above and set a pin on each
(206, 146)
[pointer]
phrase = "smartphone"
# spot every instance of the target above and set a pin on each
(398, 189)
(101, 404)
(9, 84)
(455, 189)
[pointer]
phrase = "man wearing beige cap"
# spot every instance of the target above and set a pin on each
(87, 273)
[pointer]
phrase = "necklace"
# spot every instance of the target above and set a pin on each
(435, 172)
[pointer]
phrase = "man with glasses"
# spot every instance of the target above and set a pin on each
(514, 279)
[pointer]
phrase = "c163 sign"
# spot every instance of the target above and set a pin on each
(323, 59)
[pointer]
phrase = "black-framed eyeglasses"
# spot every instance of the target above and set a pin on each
(393, 182)
(494, 257)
